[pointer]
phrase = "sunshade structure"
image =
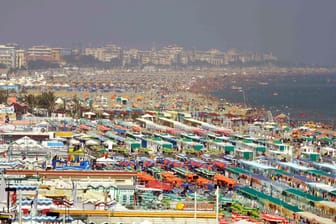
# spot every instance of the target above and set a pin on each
(171, 179)
(237, 170)
(195, 163)
(159, 185)
(26, 148)
(322, 187)
(273, 218)
(226, 181)
(47, 218)
(146, 162)
(111, 135)
(171, 163)
(298, 193)
(144, 177)
(317, 218)
(103, 128)
(220, 163)
(26, 142)
(23, 187)
(92, 142)
(104, 160)
(55, 144)
(257, 195)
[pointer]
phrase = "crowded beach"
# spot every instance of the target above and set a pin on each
(144, 149)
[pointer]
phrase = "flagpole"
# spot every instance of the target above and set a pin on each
(217, 204)
(20, 206)
(195, 214)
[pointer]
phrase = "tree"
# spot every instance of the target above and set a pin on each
(31, 101)
(77, 109)
(3, 96)
(47, 100)
(41, 64)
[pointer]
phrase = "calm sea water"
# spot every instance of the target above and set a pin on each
(303, 97)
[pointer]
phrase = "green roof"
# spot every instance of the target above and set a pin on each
(259, 195)
(303, 194)
(237, 170)
(206, 171)
(282, 172)
(229, 148)
(181, 170)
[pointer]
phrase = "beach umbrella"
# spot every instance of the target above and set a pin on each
(74, 142)
(91, 142)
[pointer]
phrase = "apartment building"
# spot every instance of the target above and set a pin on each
(8, 56)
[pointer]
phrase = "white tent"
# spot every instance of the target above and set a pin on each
(147, 116)
(89, 114)
(74, 142)
(59, 101)
(105, 160)
(25, 141)
(91, 142)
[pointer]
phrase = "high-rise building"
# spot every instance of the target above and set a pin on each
(20, 60)
(40, 52)
(7, 56)
(44, 53)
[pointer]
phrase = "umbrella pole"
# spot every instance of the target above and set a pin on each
(195, 214)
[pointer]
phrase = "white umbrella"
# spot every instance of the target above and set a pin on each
(74, 142)
(91, 142)
(105, 160)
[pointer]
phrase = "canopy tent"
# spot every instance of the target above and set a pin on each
(74, 142)
(25, 141)
(104, 160)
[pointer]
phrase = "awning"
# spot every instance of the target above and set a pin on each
(55, 144)
(64, 134)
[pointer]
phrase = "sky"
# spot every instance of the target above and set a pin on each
(293, 30)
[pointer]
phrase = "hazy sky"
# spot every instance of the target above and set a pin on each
(294, 30)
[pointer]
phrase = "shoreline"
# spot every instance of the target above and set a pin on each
(193, 88)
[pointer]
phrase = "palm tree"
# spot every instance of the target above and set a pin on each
(31, 100)
(76, 110)
(47, 100)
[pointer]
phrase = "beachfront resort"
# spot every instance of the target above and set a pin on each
(143, 149)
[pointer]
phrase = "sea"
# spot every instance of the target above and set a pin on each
(299, 96)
